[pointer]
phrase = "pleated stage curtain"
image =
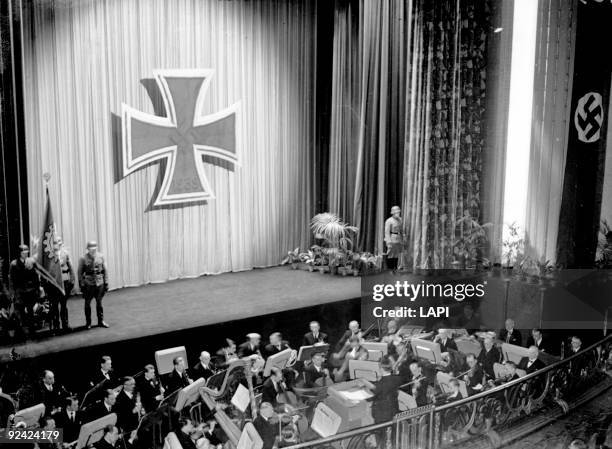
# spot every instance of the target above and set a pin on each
(83, 58)
(420, 128)
(551, 119)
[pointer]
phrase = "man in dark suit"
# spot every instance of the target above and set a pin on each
(70, 419)
(103, 408)
(488, 357)
(126, 407)
(510, 335)
(266, 430)
(105, 374)
(150, 389)
(531, 363)
(183, 434)
(109, 438)
(474, 377)
(537, 339)
(203, 369)
(251, 346)
(455, 392)
(178, 378)
(276, 345)
(445, 341)
(385, 401)
(315, 371)
(273, 386)
(315, 336)
(49, 393)
(420, 384)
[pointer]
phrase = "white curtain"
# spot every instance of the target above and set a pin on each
(551, 117)
(83, 58)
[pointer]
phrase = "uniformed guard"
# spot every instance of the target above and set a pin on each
(93, 282)
(25, 285)
(393, 238)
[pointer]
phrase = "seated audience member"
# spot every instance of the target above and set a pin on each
(452, 363)
(186, 433)
(212, 433)
(49, 393)
(354, 351)
(203, 369)
(267, 430)
(105, 373)
(276, 345)
(537, 339)
(70, 419)
(150, 389)
(226, 354)
(315, 336)
(273, 386)
(489, 356)
(575, 345)
(315, 371)
(353, 331)
(474, 379)
(419, 384)
(251, 346)
(455, 391)
(178, 378)
(385, 402)
(109, 438)
(445, 341)
(531, 363)
(48, 424)
(103, 408)
(510, 335)
(468, 320)
(127, 407)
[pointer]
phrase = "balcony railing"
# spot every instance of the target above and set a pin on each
(553, 389)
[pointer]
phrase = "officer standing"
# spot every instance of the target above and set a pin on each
(93, 282)
(393, 238)
(25, 284)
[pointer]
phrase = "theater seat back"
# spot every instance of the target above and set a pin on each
(172, 442)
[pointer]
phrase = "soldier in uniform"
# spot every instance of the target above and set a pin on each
(93, 282)
(393, 238)
(25, 284)
(59, 306)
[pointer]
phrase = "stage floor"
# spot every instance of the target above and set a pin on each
(189, 303)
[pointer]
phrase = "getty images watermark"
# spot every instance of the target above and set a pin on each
(572, 299)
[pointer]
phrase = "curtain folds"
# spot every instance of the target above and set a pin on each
(82, 59)
(551, 118)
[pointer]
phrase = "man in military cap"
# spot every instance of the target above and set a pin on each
(25, 285)
(393, 238)
(93, 282)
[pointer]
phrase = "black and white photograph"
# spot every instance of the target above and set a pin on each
(305, 224)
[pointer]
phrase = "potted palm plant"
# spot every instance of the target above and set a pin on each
(512, 249)
(337, 237)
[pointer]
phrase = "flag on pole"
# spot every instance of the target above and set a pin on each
(48, 261)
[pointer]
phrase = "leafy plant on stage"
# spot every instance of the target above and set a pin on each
(513, 246)
(603, 255)
(293, 257)
(471, 241)
(337, 238)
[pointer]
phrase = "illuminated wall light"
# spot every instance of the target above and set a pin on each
(518, 143)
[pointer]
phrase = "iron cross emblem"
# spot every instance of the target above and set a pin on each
(182, 138)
